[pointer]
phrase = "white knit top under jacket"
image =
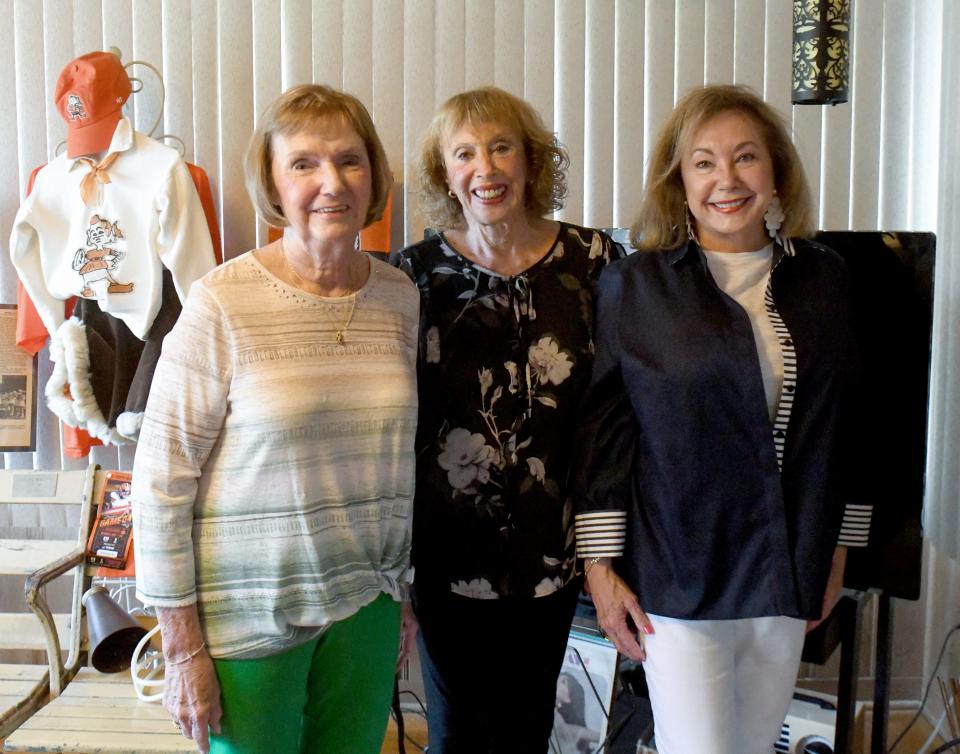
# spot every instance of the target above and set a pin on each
(275, 469)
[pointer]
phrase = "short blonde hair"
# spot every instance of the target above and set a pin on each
(662, 220)
(304, 108)
(547, 160)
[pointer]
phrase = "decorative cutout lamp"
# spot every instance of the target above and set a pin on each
(821, 52)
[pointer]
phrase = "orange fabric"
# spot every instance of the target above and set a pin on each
(202, 182)
(32, 334)
(375, 237)
(90, 92)
(77, 442)
(98, 174)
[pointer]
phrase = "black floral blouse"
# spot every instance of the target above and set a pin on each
(503, 365)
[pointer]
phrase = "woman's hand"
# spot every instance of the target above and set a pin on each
(191, 695)
(191, 691)
(408, 631)
(834, 585)
(615, 602)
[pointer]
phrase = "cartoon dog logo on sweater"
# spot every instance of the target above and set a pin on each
(99, 259)
(75, 109)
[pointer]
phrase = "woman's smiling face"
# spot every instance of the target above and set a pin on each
(487, 170)
(728, 179)
(323, 181)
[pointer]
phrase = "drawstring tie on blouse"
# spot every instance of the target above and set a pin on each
(521, 303)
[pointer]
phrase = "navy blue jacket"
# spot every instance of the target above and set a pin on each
(676, 433)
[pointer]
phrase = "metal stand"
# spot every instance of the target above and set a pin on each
(881, 690)
(849, 611)
(841, 629)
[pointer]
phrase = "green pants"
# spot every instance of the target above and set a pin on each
(327, 696)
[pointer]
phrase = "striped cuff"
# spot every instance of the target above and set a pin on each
(601, 534)
(855, 529)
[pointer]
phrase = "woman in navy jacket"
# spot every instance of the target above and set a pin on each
(714, 501)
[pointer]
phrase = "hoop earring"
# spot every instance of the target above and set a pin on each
(691, 228)
(451, 194)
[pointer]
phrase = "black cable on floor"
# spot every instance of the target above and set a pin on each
(946, 747)
(419, 701)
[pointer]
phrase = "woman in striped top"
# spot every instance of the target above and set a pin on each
(714, 494)
(274, 476)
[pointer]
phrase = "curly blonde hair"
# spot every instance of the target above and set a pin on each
(547, 160)
(305, 108)
(662, 220)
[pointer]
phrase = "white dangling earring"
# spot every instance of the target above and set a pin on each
(773, 217)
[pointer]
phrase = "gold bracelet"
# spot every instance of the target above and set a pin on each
(587, 565)
(189, 656)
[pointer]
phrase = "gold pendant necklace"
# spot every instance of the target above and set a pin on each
(346, 325)
(302, 284)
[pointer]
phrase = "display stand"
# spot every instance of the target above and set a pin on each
(841, 629)
(881, 689)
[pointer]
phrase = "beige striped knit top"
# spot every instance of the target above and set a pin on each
(275, 469)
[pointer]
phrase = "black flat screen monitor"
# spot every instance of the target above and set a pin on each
(891, 288)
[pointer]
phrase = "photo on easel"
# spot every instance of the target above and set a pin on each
(585, 690)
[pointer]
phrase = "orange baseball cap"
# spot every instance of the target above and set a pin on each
(90, 94)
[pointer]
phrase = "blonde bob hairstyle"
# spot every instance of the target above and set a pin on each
(308, 108)
(662, 220)
(547, 160)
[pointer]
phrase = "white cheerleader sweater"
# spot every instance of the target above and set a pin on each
(112, 249)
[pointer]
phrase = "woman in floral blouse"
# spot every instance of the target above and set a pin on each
(505, 354)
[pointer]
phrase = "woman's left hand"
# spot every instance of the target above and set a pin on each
(192, 697)
(834, 585)
(408, 631)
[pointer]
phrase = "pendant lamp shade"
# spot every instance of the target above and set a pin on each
(821, 52)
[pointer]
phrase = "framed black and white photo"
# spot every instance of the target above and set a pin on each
(18, 383)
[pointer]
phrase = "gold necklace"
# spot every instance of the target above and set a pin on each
(299, 282)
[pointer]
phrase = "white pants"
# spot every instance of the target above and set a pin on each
(721, 686)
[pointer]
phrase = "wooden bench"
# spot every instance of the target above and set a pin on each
(63, 706)
(99, 713)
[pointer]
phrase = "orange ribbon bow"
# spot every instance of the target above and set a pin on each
(97, 174)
